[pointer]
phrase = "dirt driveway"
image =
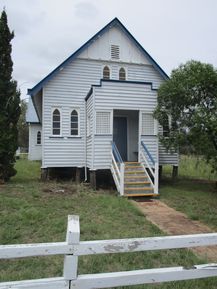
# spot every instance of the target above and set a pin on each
(173, 222)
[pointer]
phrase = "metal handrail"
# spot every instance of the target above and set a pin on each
(148, 153)
(116, 153)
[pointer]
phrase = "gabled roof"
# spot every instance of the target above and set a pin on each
(114, 22)
(31, 115)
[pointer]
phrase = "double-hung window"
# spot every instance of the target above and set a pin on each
(74, 127)
(56, 122)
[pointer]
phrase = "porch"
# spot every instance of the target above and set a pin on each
(119, 115)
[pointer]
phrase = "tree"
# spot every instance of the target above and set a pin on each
(9, 103)
(189, 100)
(23, 129)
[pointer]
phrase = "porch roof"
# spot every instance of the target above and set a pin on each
(118, 81)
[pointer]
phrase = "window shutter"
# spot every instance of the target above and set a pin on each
(148, 124)
(103, 122)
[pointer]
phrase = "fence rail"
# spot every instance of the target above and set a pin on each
(73, 248)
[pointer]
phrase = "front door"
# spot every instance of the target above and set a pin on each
(120, 135)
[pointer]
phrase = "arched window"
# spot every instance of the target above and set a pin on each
(74, 122)
(38, 137)
(122, 74)
(106, 72)
(56, 122)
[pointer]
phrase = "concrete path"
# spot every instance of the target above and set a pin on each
(173, 222)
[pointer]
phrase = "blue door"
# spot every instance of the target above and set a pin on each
(120, 135)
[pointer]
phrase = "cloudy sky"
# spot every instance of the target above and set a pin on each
(48, 31)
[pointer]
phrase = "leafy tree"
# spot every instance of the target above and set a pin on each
(23, 130)
(9, 103)
(189, 100)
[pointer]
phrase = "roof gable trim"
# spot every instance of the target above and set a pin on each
(115, 21)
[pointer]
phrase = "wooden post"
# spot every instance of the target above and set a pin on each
(122, 167)
(44, 174)
(156, 178)
(175, 172)
(93, 179)
(72, 238)
(78, 175)
(160, 173)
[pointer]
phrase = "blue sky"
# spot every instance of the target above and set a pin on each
(48, 31)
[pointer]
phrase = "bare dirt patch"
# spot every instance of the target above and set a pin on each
(173, 222)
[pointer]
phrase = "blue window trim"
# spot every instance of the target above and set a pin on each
(114, 22)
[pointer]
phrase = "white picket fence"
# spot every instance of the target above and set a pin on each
(73, 248)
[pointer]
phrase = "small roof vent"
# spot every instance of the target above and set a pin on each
(115, 51)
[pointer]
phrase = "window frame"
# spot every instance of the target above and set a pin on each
(110, 72)
(155, 124)
(122, 67)
(70, 113)
(38, 144)
(60, 111)
(110, 122)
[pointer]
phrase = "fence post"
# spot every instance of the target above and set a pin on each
(72, 238)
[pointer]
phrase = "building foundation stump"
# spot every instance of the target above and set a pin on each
(93, 179)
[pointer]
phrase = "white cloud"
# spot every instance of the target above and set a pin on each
(48, 31)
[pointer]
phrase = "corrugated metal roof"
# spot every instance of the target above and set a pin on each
(31, 115)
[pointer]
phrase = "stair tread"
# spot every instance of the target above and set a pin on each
(134, 172)
(136, 177)
(139, 189)
(133, 167)
(141, 195)
(137, 183)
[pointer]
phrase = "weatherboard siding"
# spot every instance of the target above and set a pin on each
(68, 89)
(89, 110)
(35, 150)
(101, 49)
(167, 157)
(151, 142)
(121, 96)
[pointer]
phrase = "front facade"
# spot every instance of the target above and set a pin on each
(104, 94)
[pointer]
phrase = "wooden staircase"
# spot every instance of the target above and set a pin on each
(136, 181)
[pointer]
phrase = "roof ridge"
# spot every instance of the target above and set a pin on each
(114, 21)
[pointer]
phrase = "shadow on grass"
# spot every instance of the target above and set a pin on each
(190, 184)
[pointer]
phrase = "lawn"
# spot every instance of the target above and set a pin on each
(193, 167)
(32, 211)
(194, 192)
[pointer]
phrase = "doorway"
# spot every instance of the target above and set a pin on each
(120, 135)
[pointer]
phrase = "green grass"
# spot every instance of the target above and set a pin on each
(194, 192)
(193, 167)
(32, 211)
(198, 200)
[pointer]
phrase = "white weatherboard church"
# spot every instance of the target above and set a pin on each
(95, 112)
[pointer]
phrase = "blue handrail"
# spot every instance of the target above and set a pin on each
(148, 153)
(116, 153)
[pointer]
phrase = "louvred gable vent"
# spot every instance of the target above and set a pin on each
(115, 52)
